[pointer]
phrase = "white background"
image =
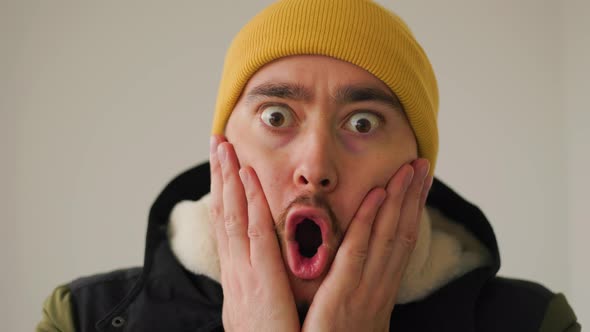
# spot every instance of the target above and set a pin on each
(103, 102)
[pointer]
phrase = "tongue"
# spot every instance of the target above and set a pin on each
(309, 237)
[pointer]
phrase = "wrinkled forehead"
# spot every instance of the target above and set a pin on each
(300, 77)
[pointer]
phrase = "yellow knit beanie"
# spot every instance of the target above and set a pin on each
(360, 32)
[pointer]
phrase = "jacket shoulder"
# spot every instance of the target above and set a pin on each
(109, 279)
(93, 297)
(78, 305)
(57, 312)
(517, 305)
(560, 316)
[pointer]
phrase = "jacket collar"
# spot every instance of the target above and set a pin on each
(443, 251)
(193, 184)
(454, 236)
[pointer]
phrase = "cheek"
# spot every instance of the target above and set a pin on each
(356, 182)
(252, 151)
(272, 177)
(386, 162)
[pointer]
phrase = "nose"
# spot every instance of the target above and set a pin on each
(316, 170)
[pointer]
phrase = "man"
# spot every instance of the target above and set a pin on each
(323, 212)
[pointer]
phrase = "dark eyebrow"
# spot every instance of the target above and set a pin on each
(344, 95)
(279, 90)
(351, 94)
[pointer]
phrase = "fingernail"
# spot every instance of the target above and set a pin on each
(429, 181)
(420, 171)
(222, 153)
(408, 179)
(382, 197)
(244, 176)
(213, 144)
(426, 169)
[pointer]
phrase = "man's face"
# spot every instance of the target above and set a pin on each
(320, 133)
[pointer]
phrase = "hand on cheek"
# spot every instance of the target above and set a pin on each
(257, 296)
(360, 290)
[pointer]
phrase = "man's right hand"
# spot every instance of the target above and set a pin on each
(256, 291)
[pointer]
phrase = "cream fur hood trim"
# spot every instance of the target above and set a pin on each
(443, 252)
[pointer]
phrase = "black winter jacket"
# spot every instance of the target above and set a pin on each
(164, 296)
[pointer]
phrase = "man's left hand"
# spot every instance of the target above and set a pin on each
(359, 291)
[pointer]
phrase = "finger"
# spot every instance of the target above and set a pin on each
(234, 206)
(423, 197)
(383, 237)
(265, 255)
(346, 271)
(216, 202)
(407, 233)
(426, 190)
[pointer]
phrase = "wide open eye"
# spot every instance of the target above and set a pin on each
(277, 116)
(363, 122)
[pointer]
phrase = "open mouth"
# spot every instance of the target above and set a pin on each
(309, 237)
(307, 252)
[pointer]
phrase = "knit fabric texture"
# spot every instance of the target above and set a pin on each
(360, 32)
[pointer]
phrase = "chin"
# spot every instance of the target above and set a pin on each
(304, 290)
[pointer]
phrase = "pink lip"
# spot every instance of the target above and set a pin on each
(306, 267)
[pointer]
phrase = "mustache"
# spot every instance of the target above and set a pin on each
(316, 201)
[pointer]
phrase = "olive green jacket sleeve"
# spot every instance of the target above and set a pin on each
(57, 312)
(560, 317)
